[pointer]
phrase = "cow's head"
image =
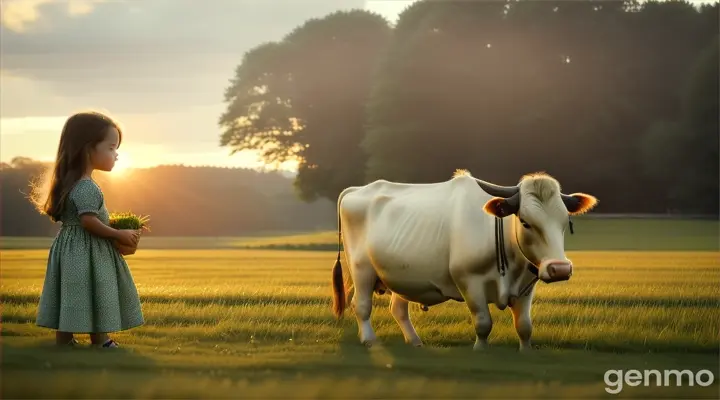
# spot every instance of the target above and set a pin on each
(540, 215)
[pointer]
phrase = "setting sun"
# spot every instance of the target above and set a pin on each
(122, 164)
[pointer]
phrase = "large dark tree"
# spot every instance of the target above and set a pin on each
(682, 153)
(505, 89)
(501, 88)
(303, 99)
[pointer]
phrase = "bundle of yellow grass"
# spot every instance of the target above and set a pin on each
(129, 220)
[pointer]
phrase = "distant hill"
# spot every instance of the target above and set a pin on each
(180, 200)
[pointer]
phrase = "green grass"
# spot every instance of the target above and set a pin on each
(590, 234)
(257, 324)
(129, 220)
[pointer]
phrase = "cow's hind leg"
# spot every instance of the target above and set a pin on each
(364, 280)
(399, 310)
(521, 318)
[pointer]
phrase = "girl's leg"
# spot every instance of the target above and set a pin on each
(64, 338)
(102, 340)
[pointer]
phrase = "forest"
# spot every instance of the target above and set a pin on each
(614, 98)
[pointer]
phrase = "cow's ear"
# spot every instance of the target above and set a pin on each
(579, 203)
(499, 207)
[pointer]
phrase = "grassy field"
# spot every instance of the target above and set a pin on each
(230, 323)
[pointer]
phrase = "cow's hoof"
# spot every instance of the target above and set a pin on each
(416, 343)
(480, 345)
(369, 343)
(526, 348)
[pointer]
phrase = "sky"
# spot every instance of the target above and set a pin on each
(159, 66)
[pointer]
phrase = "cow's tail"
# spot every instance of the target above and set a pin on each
(338, 283)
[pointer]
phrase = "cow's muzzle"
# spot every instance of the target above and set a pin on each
(556, 271)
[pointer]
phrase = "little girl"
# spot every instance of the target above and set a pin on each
(88, 287)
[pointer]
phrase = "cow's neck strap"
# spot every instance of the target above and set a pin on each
(501, 256)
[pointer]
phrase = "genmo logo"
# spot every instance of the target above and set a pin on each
(615, 379)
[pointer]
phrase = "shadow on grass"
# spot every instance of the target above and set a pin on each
(390, 370)
(34, 359)
(315, 385)
(44, 354)
(610, 347)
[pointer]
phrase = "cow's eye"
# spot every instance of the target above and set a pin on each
(524, 224)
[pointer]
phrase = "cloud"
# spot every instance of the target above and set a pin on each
(16, 14)
(81, 7)
(159, 66)
(155, 26)
(136, 56)
(21, 15)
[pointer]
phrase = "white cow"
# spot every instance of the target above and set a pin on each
(429, 243)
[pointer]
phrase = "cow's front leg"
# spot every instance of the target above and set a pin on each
(521, 318)
(364, 281)
(399, 310)
(476, 300)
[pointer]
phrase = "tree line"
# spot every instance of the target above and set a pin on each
(614, 98)
(180, 201)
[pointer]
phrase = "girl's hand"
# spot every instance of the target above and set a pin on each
(128, 237)
(125, 250)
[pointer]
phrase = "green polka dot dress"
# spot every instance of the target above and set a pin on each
(88, 287)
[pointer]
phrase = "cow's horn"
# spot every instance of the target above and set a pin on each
(509, 206)
(497, 190)
(514, 203)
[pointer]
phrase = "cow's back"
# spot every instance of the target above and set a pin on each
(405, 230)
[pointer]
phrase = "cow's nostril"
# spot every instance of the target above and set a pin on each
(551, 270)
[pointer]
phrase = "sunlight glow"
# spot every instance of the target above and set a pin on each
(389, 9)
(122, 164)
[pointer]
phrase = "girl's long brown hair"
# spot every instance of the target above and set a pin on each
(82, 132)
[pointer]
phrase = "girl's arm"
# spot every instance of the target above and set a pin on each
(88, 200)
(93, 225)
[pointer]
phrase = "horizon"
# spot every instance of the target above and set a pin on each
(168, 119)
